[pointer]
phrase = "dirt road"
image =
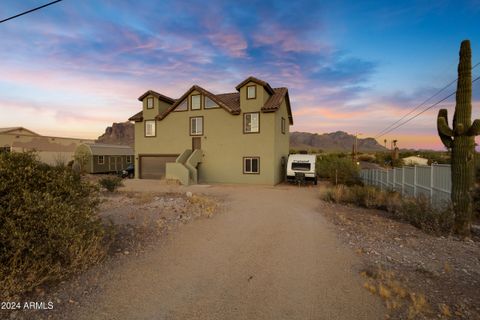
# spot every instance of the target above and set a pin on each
(270, 255)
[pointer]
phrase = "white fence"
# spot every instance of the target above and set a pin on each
(433, 181)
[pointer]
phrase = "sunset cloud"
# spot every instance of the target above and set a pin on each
(77, 67)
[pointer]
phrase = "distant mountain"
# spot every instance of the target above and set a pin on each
(332, 142)
(122, 133)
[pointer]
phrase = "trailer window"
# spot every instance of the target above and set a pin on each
(301, 166)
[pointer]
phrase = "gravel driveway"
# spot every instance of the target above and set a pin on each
(269, 255)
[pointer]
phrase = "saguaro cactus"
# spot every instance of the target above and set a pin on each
(460, 139)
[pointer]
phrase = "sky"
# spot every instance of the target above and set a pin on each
(74, 68)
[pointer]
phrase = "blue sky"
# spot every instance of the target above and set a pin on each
(75, 67)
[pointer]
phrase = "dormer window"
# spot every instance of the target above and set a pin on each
(209, 103)
(251, 92)
(196, 102)
(150, 103)
(183, 106)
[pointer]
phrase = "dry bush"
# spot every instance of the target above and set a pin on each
(204, 205)
(417, 211)
(396, 296)
(111, 183)
(49, 226)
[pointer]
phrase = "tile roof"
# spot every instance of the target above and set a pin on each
(212, 96)
(157, 95)
(257, 81)
(229, 101)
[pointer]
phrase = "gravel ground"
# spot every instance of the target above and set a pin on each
(267, 255)
(444, 270)
(141, 221)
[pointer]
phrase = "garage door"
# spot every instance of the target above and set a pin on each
(153, 167)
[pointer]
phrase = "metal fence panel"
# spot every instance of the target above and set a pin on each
(433, 182)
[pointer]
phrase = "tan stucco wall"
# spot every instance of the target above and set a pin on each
(49, 149)
(223, 142)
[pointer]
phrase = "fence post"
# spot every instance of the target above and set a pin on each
(403, 181)
(414, 181)
(394, 179)
(431, 183)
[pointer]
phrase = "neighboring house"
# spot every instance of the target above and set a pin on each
(239, 137)
(51, 150)
(103, 158)
(415, 161)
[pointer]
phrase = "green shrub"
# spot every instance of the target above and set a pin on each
(111, 183)
(49, 228)
(338, 169)
(417, 211)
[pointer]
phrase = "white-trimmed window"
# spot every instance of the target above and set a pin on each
(251, 165)
(252, 92)
(283, 125)
(196, 126)
(150, 103)
(209, 103)
(196, 102)
(251, 122)
(150, 128)
(101, 159)
(183, 106)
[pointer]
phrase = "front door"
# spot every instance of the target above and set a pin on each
(196, 143)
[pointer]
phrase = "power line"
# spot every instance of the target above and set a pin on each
(383, 132)
(28, 11)
(421, 112)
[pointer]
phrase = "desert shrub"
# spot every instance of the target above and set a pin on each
(111, 183)
(49, 228)
(338, 170)
(417, 211)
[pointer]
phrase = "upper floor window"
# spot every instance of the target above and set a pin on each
(209, 103)
(196, 126)
(283, 125)
(149, 103)
(150, 128)
(196, 102)
(251, 122)
(251, 92)
(183, 106)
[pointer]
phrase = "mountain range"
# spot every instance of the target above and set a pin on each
(123, 133)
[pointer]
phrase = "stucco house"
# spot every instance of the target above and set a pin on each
(237, 137)
(51, 150)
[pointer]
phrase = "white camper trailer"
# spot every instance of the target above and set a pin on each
(301, 167)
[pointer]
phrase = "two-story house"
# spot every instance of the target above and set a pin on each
(239, 137)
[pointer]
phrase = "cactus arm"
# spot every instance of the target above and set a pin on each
(444, 131)
(474, 130)
(442, 124)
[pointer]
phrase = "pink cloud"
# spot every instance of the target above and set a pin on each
(272, 34)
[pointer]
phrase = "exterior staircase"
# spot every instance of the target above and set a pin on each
(184, 169)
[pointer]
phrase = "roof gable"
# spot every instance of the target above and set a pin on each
(18, 130)
(264, 84)
(275, 101)
(156, 95)
(214, 98)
